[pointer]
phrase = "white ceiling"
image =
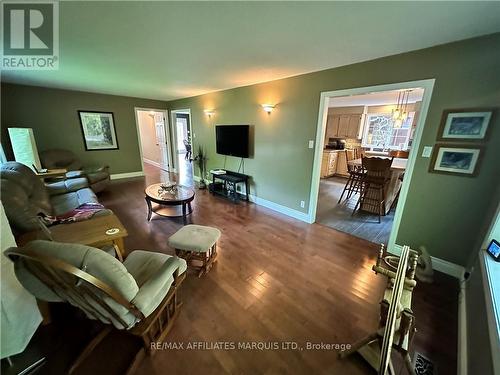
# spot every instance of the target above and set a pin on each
(376, 98)
(167, 50)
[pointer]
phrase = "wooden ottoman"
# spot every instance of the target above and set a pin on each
(197, 245)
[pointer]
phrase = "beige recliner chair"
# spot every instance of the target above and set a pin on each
(138, 295)
(98, 177)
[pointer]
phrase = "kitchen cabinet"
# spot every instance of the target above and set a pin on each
(342, 165)
(332, 127)
(329, 163)
(353, 126)
(342, 126)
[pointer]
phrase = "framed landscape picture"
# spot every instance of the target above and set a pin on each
(464, 125)
(456, 159)
(98, 129)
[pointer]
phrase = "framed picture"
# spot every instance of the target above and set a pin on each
(464, 124)
(98, 129)
(456, 159)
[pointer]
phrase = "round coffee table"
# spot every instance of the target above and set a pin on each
(169, 202)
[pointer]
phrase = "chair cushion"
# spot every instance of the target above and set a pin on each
(192, 237)
(67, 186)
(57, 158)
(153, 272)
(75, 174)
(67, 202)
(93, 261)
(97, 176)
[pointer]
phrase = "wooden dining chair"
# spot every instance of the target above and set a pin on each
(353, 183)
(373, 182)
(358, 152)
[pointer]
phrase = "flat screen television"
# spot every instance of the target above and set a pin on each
(232, 140)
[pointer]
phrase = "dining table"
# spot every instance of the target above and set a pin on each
(392, 187)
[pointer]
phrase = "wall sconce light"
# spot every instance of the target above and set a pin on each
(268, 108)
(209, 112)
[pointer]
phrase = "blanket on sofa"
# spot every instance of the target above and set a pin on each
(83, 212)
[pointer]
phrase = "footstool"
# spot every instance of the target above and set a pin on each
(196, 244)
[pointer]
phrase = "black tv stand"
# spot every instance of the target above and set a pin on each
(225, 185)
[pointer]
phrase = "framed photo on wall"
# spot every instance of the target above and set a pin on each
(98, 129)
(456, 159)
(464, 124)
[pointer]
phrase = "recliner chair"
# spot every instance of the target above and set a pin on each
(138, 295)
(25, 196)
(98, 177)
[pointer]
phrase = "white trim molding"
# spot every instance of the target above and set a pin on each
(427, 85)
(167, 135)
(490, 269)
(462, 331)
(118, 176)
(302, 216)
(438, 264)
(152, 162)
(173, 132)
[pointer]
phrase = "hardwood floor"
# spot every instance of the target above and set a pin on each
(276, 280)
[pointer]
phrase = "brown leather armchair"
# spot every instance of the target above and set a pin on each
(98, 177)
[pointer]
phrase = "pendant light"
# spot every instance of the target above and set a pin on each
(396, 112)
(400, 114)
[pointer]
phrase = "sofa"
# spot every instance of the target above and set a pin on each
(25, 196)
(98, 176)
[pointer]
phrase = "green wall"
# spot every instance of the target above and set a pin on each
(444, 213)
(53, 115)
(447, 214)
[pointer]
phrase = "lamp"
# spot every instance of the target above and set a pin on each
(209, 112)
(400, 113)
(268, 108)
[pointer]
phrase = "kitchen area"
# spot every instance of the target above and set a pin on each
(367, 142)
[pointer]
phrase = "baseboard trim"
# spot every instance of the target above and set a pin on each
(152, 162)
(462, 331)
(438, 264)
(302, 216)
(118, 176)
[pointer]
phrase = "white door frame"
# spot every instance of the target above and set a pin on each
(428, 86)
(167, 135)
(174, 131)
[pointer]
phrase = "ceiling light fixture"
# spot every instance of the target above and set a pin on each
(400, 113)
(268, 108)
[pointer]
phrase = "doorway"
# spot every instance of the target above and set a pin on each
(359, 124)
(182, 141)
(154, 137)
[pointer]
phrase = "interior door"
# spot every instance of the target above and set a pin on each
(161, 136)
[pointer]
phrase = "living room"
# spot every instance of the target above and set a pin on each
(269, 273)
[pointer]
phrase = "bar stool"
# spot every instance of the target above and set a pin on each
(353, 183)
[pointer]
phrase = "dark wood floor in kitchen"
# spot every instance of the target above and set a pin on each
(277, 280)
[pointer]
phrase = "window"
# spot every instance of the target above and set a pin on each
(24, 147)
(381, 133)
(3, 158)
